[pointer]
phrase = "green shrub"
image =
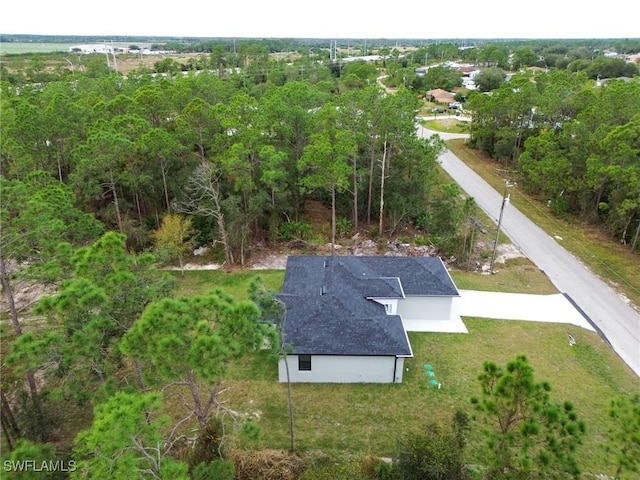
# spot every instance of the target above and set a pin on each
(421, 221)
(251, 431)
(331, 467)
(421, 241)
(218, 470)
(435, 453)
(293, 230)
(208, 445)
(343, 227)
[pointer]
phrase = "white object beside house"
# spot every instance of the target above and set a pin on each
(347, 317)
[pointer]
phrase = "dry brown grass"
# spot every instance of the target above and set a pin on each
(129, 63)
(265, 464)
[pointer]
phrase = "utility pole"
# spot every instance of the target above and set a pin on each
(505, 200)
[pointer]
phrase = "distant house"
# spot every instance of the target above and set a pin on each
(347, 317)
(440, 96)
(93, 48)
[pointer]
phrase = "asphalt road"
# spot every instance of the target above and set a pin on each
(607, 310)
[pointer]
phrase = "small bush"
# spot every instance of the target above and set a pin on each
(384, 471)
(435, 453)
(321, 465)
(560, 205)
(251, 431)
(293, 230)
(218, 470)
(421, 241)
(422, 220)
(207, 447)
(343, 227)
(377, 469)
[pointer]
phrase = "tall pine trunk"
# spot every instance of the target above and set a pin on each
(372, 163)
(634, 242)
(116, 203)
(13, 312)
(333, 218)
(384, 163)
(355, 192)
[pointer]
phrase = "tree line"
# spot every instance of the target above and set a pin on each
(571, 142)
(241, 161)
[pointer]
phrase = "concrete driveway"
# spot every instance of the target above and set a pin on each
(556, 308)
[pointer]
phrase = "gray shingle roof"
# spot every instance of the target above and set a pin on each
(328, 310)
(329, 327)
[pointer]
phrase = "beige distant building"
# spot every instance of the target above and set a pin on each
(440, 96)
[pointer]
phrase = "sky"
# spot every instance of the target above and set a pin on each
(458, 19)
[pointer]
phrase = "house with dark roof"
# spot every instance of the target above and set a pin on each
(347, 317)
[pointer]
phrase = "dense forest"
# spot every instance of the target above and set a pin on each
(104, 176)
(570, 142)
(565, 129)
(132, 150)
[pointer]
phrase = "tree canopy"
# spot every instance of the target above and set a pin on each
(527, 434)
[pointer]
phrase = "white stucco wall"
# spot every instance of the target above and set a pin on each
(344, 369)
(427, 314)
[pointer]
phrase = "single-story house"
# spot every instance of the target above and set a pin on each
(440, 96)
(347, 317)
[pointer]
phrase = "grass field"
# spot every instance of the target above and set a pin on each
(446, 123)
(369, 418)
(199, 282)
(19, 56)
(19, 48)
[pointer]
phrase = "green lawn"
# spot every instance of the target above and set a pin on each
(20, 48)
(446, 123)
(517, 275)
(368, 418)
(236, 284)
